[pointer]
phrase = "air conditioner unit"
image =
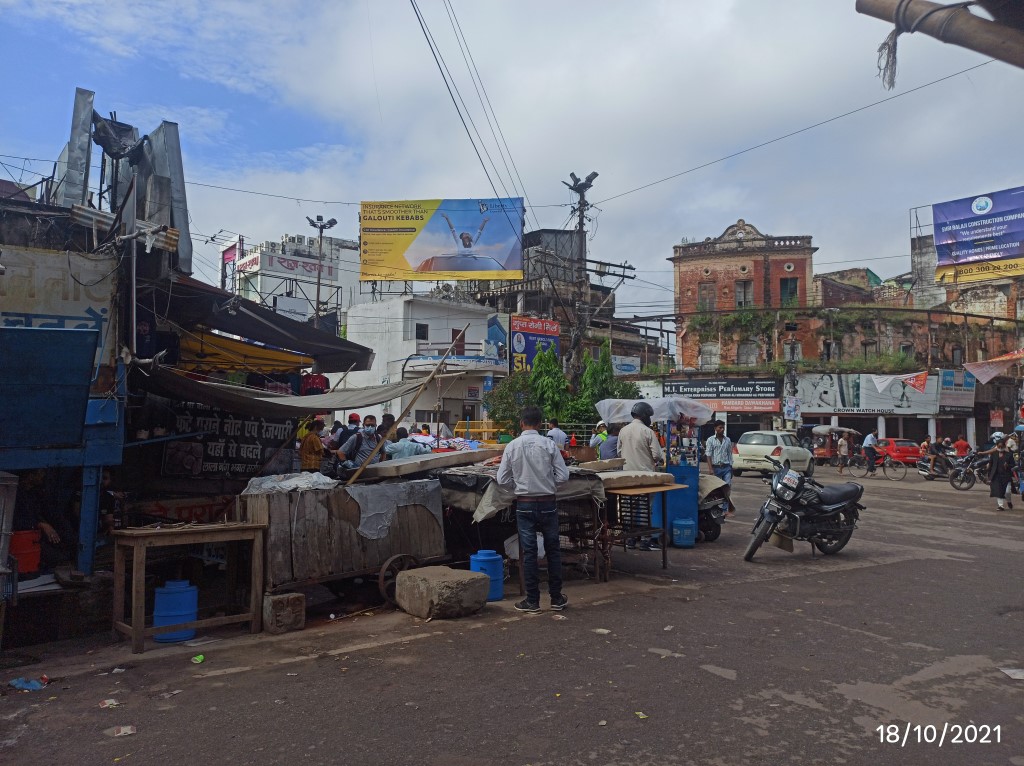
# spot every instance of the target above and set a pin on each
(273, 247)
(292, 239)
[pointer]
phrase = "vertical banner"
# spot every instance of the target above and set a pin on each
(530, 336)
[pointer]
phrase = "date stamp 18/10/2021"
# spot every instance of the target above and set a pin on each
(948, 734)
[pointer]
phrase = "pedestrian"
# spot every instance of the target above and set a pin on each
(718, 452)
(359, 447)
(556, 434)
(610, 447)
(600, 435)
(532, 468)
(311, 450)
(843, 448)
(403, 446)
(961, 445)
(639, 446)
(870, 453)
(1000, 474)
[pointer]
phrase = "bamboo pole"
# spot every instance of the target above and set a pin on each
(952, 25)
(423, 387)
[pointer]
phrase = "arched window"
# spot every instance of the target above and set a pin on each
(747, 353)
(710, 356)
(958, 356)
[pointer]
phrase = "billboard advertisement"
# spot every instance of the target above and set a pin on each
(441, 239)
(529, 336)
(288, 266)
(840, 394)
(979, 238)
(729, 394)
(625, 365)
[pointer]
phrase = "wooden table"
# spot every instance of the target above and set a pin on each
(140, 540)
(610, 536)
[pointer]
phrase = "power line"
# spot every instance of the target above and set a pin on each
(795, 132)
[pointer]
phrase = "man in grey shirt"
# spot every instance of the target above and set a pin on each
(556, 434)
(638, 445)
(359, 446)
(533, 469)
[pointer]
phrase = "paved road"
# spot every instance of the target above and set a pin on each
(788, 659)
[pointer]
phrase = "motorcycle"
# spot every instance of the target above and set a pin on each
(969, 469)
(943, 466)
(712, 505)
(799, 508)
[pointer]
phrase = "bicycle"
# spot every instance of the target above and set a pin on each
(893, 470)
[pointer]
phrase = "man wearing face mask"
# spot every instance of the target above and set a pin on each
(359, 446)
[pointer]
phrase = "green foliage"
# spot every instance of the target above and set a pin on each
(548, 383)
(505, 402)
(704, 325)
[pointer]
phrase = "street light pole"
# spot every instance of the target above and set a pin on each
(320, 225)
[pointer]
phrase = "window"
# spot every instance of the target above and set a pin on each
(710, 355)
(427, 417)
(958, 356)
(760, 439)
(907, 348)
(788, 440)
(422, 331)
(744, 293)
(789, 291)
(706, 296)
(746, 353)
(831, 350)
(792, 350)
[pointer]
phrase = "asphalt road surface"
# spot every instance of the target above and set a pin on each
(867, 657)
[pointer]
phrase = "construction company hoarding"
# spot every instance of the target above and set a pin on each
(832, 393)
(979, 238)
(956, 392)
(729, 394)
(441, 239)
(530, 336)
(286, 266)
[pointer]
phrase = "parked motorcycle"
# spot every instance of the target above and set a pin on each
(969, 469)
(712, 505)
(943, 466)
(799, 508)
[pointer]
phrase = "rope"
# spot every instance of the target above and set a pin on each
(887, 50)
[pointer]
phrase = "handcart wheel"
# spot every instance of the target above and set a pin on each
(389, 574)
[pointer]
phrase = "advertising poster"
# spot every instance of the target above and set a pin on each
(441, 239)
(530, 336)
(838, 394)
(979, 238)
(625, 365)
(730, 394)
(956, 392)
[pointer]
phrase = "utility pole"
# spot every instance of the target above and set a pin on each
(320, 225)
(582, 309)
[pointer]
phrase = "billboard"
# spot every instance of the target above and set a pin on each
(956, 392)
(299, 267)
(979, 238)
(729, 394)
(441, 239)
(529, 336)
(839, 394)
(625, 365)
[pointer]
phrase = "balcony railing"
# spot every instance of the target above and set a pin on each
(437, 348)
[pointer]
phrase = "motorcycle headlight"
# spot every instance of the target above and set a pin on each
(785, 493)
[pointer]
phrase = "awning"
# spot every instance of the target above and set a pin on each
(202, 350)
(193, 304)
(167, 381)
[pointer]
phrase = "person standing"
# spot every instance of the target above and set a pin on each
(610, 447)
(311, 450)
(556, 434)
(870, 453)
(360, 446)
(718, 452)
(638, 446)
(600, 435)
(403, 446)
(532, 468)
(961, 446)
(843, 448)
(1000, 474)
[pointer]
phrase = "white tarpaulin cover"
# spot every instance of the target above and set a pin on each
(669, 408)
(985, 371)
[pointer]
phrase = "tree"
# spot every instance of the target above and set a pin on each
(505, 402)
(548, 383)
(598, 382)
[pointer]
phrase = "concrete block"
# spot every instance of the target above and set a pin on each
(284, 612)
(441, 592)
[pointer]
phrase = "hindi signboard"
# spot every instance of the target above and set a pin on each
(530, 336)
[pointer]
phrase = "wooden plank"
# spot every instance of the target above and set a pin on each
(138, 598)
(119, 566)
(278, 545)
(301, 569)
(209, 622)
(321, 541)
(256, 586)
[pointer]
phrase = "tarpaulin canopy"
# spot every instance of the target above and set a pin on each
(202, 350)
(669, 408)
(190, 303)
(992, 368)
(248, 401)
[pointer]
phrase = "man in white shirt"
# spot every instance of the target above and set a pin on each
(870, 453)
(556, 434)
(718, 452)
(532, 467)
(638, 445)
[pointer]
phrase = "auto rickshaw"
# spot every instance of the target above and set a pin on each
(825, 443)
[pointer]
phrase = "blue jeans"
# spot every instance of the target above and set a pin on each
(531, 518)
(724, 472)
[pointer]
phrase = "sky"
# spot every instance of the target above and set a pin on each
(343, 101)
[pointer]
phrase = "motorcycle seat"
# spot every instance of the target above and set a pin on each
(833, 494)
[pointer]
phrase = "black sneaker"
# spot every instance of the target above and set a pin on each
(558, 603)
(527, 606)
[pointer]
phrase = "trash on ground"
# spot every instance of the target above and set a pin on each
(291, 674)
(198, 659)
(602, 723)
(641, 715)
(559, 617)
(118, 670)
(1017, 674)
(29, 684)
(602, 631)
(119, 731)
(201, 641)
(168, 695)
(110, 703)
(669, 627)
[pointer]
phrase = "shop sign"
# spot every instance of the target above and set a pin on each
(956, 392)
(996, 419)
(529, 337)
(834, 393)
(729, 394)
(473, 393)
(236, 445)
(625, 365)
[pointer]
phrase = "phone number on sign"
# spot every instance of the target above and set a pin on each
(947, 734)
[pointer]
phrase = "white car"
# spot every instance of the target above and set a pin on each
(748, 453)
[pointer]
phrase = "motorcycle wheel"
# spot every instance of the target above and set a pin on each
(961, 479)
(839, 540)
(810, 469)
(711, 531)
(761, 531)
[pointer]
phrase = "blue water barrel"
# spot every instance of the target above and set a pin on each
(684, 533)
(177, 601)
(491, 565)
